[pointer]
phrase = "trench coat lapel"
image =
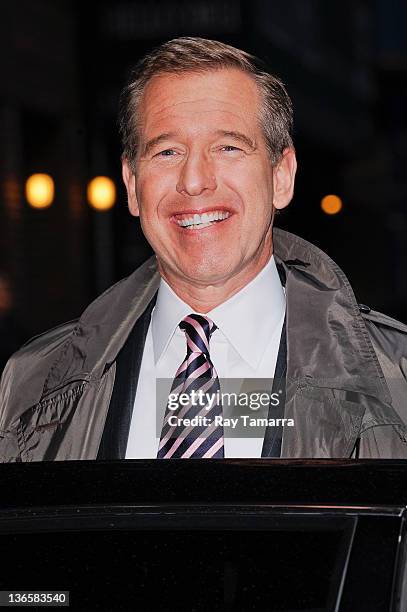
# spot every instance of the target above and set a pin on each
(116, 431)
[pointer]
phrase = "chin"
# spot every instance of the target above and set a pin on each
(206, 273)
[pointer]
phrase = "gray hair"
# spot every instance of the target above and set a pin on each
(190, 54)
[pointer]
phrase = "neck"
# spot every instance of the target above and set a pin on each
(204, 297)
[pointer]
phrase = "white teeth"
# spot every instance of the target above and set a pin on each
(200, 226)
(204, 220)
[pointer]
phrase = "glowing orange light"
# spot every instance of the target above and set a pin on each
(101, 193)
(39, 190)
(331, 204)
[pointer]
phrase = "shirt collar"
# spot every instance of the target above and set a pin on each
(250, 317)
(168, 312)
(247, 319)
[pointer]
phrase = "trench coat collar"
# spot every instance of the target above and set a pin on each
(327, 342)
(104, 327)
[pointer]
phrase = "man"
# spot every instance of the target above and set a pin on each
(207, 161)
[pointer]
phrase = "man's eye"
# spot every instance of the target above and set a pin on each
(230, 148)
(166, 153)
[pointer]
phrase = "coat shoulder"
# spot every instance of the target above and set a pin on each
(49, 336)
(389, 338)
(382, 320)
(37, 347)
(39, 352)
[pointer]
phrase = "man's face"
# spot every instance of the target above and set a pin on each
(203, 159)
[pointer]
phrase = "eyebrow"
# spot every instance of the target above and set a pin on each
(153, 142)
(238, 136)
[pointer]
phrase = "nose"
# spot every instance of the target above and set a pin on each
(196, 175)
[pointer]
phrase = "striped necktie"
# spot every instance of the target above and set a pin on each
(204, 438)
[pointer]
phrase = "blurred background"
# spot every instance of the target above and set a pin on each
(65, 237)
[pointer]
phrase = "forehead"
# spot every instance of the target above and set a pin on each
(172, 101)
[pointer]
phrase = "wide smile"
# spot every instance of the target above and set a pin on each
(191, 221)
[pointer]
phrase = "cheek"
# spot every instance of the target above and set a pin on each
(150, 193)
(253, 182)
(155, 185)
(257, 206)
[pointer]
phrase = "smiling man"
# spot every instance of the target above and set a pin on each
(208, 159)
(203, 184)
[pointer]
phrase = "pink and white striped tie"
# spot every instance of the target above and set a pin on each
(196, 373)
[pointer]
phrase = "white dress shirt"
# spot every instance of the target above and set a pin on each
(245, 345)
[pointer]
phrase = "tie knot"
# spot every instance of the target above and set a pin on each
(198, 330)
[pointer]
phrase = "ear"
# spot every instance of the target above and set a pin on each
(283, 179)
(130, 182)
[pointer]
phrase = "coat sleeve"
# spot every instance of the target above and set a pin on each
(22, 382)
(9, 448)
(389, 339)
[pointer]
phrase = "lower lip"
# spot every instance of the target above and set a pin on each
(199, 228)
